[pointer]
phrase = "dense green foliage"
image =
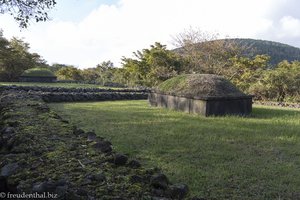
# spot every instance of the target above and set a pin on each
(24, 11)
(104, 74)
(15, 58)
(280, 84)
(244, 72)
(152, 66)
(232, 157)
(41, 72)
(69, 73)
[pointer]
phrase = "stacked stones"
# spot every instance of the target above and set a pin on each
(59, 94)
(41, 152)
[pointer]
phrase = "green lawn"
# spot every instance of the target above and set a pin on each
(66, 85)
(257, 157)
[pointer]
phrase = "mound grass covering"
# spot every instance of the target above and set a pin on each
(38, 72)
(199, 85)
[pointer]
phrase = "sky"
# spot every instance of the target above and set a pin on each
(85, 33)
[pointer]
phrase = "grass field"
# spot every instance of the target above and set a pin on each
(66, 85)
(257, 157)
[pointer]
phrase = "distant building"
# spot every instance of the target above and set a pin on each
(37, 75)
(203, 94)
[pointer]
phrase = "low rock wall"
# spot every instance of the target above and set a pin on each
(41, 153)
(64, 89)
(57, 94)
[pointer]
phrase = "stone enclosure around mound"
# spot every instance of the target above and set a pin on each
(204, 94)
(206, 106)
(39, 79)
(38, 75)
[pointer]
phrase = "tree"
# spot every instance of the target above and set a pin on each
(69, 73)
(204, 52)
(4, 53)
(24, 11)
(15, 58)
(90, 75)
(57, 66)
(244, 72)
(151, 66)
(280, 83)
(105, 72)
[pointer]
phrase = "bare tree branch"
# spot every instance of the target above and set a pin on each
(25, 10)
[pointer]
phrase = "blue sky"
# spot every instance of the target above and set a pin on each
(76, 10)
(84, 33)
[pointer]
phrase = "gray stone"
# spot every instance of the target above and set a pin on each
(8, 131)
(46, 186)
(97, 177)
(81, 192)
(120, 159)
(197, 198)
(136, 179)
(134, 164)
(39, 187)
(91, 136)
(159, 181)
(78, 131)
(3, 183)
(9, 169)
(103, 146)
(178, 191)
(61, 191)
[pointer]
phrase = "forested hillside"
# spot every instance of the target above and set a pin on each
(251, 47)
(277, 51)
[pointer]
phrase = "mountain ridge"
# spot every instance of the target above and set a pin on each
(251, 47)
(276, 50)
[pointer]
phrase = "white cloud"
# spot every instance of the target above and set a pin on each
(113, 31)
(290, 27)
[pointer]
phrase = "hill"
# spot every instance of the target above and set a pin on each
(277, 51)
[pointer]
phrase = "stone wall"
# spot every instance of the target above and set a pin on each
(42, 153)
(58, 94)
(37, 79)
(203, 106)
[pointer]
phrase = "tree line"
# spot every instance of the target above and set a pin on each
(197, 52)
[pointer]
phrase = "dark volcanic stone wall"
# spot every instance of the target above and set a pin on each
(58, 94)
(41, 152)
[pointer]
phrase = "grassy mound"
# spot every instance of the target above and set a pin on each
(38, 72)
(199, 85)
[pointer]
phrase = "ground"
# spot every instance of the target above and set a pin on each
(255, 157)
